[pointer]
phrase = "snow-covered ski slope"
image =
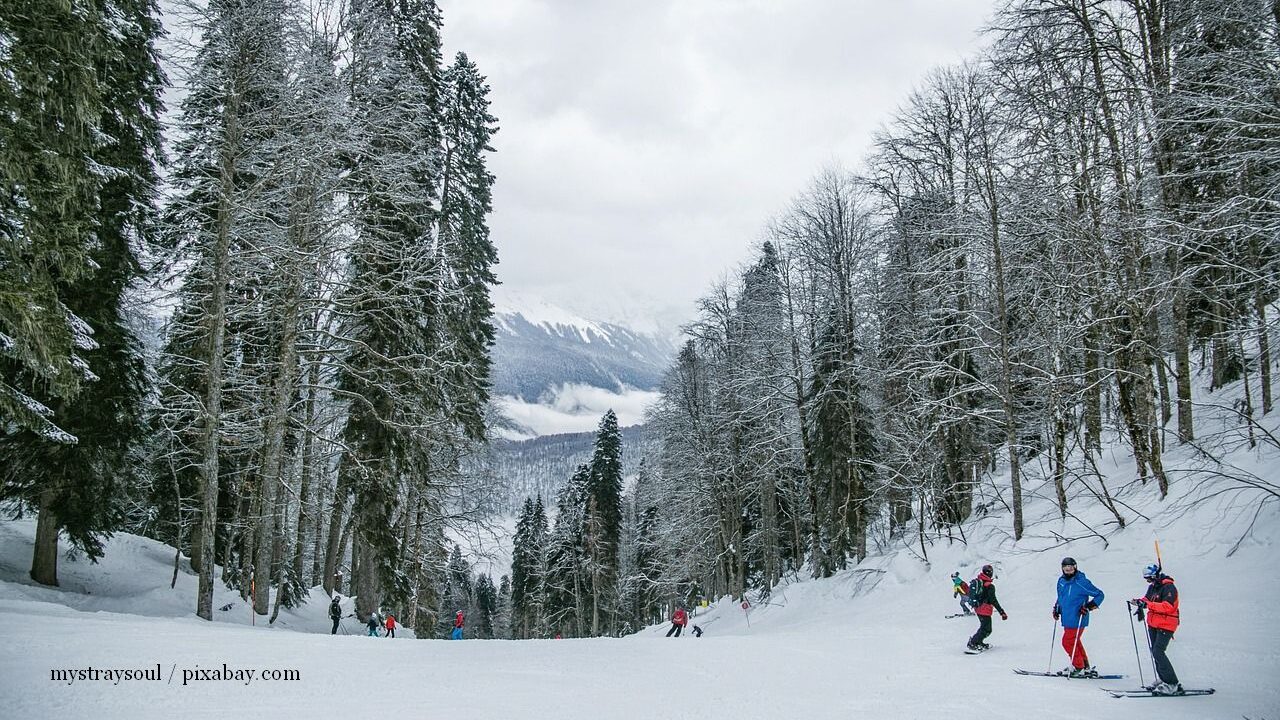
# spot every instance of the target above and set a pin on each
(869, 642)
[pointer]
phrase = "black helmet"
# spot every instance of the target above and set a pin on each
(988, 571)
(1068, 561)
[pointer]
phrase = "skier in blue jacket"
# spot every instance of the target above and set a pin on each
(1077, 597)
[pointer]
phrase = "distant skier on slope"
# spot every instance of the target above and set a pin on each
(373, 624)
(335, 613)
(459, 621)
(1161, 608)
(678, 620)
(1077, 598)
(986, 599)
(391, 626)
(961, 588)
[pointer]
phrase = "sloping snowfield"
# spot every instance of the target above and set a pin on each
(870, 642)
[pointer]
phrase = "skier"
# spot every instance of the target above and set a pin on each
(678, 620)
(458, 622)
(391, 626)
(697, 631)
(961, 588)
(373, 624)
(1077, 597)
(335, 613)
(1161, 608)
(986, 601)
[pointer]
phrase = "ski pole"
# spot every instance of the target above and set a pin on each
(1136, 655)
(1052, 641)
(1075, 643)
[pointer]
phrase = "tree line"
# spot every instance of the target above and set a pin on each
(1043, 247)
(312, 222)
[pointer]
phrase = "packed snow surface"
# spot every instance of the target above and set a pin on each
(870, 642)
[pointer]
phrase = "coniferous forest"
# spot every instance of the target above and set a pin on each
(256, 325)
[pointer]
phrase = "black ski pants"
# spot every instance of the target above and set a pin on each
(675, 629)
(1159, 645)
(334, 631)
(984, 630)
(391, 632)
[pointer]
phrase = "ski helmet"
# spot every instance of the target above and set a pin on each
(1068, 561)
(988, 571)
(955, 574)
(1151, 571)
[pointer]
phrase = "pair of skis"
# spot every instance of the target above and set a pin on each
(956, 615)
(1062, 674)
(1143, 692)
(1115, 692)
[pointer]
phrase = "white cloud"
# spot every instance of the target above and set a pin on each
(578, 408)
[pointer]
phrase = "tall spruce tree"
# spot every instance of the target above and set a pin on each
(604, 521)
(82, 488)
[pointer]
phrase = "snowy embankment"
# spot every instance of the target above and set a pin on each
(870, 642)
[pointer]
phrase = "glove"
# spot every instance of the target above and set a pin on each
(1139, 602)
(1056, 612)
(1091, 606)
(1004, 616)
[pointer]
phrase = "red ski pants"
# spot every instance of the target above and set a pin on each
(1074, 648)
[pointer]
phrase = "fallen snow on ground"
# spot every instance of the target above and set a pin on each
(870, 642)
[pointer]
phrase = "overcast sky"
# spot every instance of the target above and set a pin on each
(644, 144)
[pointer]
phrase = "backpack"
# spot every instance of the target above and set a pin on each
(335, 611)
(975, 591)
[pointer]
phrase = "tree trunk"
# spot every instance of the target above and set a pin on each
(210, 440)
(44, 559)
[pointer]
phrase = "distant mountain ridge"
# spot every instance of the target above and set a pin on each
(540, 348)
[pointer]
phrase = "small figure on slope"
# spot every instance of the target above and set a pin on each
(335, 613)
(1077, 598)
(985, 597)
(1161, 609)
(678, 620)
(373, 624)
(961, 588)
(459, 621)
(391, 625)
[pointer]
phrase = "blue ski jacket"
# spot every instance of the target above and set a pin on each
(1074, 593)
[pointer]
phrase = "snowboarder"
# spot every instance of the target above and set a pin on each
(986, 599)
(459, 621)
(697, 631)
(1077, 598)
(391, 626)
(961, 588)
(1161, 609)
(678, 620)
(373, 624)
(335, 613)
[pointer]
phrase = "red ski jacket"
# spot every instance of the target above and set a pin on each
(680, 618)
(391, 621)
(1162, 605)
(458, 621)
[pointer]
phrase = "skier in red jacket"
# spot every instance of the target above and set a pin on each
(391, 626)
(458, 622)
(1161, 608)
(678, 620)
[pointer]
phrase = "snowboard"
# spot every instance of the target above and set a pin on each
(979, 651)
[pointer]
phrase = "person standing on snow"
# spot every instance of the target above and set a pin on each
(1161, 608)
(373, 624)
(1077, 598)
(391, 626)
(986, 602)
(459, 621)
(678, 620)
(335, 613)
(961, 588)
